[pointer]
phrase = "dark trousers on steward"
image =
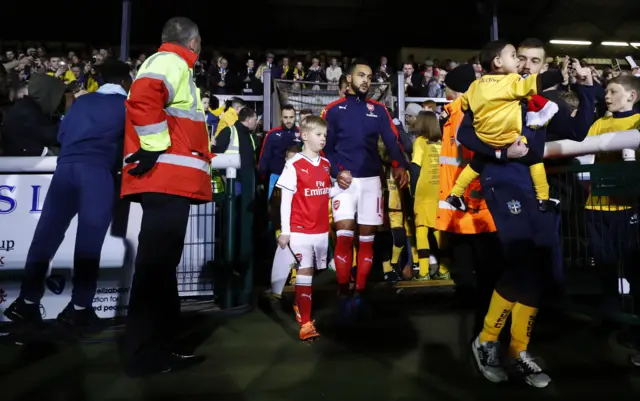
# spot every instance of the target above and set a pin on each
(153, 316)
(76, 189)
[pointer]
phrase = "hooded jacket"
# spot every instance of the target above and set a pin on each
(30, 128)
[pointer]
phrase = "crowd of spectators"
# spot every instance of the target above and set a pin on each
(215, 75)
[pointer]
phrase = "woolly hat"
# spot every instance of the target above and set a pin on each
(460, 78)
(540, 111)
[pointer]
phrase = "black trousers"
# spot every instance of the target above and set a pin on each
(476, 265)
(153, 317)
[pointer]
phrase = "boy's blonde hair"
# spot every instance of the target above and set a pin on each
(311, 122)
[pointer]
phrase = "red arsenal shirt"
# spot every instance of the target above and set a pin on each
(310, 183)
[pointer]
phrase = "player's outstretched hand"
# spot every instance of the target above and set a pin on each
(283, 240)
(401, 176)
(344, 179)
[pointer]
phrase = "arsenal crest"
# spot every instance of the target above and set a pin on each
(336, 204)
(371, 107)
(326, 169)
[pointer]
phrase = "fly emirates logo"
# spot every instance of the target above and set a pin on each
(320, 190)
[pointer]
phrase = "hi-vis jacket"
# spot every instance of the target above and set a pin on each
(164, 113)
(453, 158)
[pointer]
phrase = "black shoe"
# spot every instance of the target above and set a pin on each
(548, 205)
(79, 318)
(174, 363)
(457, 202)
(21, 312)
(391, 277)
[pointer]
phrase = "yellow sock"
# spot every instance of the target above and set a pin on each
(522, 320)
(278, 233)
(355, 256)
(395, 254)
(540, 183)
(422, 244)
(414, 252)
(293, 275)
(444, 262)
(464, 179)
(386, 266)
(499, 311)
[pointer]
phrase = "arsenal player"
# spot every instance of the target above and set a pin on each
(306, 184)
(354, 125)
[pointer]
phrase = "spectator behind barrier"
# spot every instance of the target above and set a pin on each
(31, 124)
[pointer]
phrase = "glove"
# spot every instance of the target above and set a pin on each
(146, 160)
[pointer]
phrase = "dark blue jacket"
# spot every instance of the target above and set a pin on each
(354, 126)
(274, 150)
(92, 132)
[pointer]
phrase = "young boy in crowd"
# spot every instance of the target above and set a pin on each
(305, 186)
(612, 222)
(495, 101)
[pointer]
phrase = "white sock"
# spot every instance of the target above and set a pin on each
(282, 261)
(76, 307)
(433, 260)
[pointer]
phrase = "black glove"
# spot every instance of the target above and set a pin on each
(146, 160)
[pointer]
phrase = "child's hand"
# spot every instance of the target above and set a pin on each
(283, 240)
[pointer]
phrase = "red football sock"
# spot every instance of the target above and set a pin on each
(303, 297)
(343, 257)
(365, 261)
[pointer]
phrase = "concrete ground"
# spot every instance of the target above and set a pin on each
(415, 347)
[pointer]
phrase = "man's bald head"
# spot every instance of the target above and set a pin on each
(182, 31)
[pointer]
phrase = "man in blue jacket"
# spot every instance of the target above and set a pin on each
(275, 145)
(354, 125)
(83, 184)
(529, 239)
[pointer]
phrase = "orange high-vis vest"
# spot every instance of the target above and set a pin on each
(165, 113)
(453, 158)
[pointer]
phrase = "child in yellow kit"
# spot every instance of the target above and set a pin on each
(495, 101)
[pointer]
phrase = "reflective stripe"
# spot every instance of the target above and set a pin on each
(160, 77)
(188, 114)
(445, 205)
(234, 145)
(151, 129)
(180, 160)
(450, 160)
(454, 161)
(185, 161)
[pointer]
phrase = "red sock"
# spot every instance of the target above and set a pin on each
(365, 261)
(303, 297)
(343, 257)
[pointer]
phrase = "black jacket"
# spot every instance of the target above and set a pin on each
(29, 125)
(247, 169)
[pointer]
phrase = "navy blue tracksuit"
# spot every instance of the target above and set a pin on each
(83, 184)
(529, 237)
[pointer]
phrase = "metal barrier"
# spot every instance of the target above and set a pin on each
(598, 225)
(24, 182)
